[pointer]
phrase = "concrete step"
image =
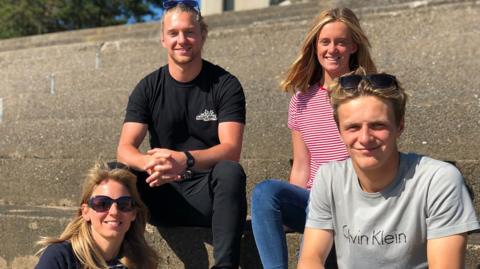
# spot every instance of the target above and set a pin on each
(94, 127)
(48, 142)
(179, 247)
(55, 182)
(150, 30)
(446, 131)
(125, 58)
(385, 45)
(56, 138)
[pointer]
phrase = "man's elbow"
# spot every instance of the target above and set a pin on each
(310, 263)
(233, 152)
(234, 155)
(120, 154)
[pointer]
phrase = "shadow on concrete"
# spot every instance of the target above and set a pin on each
(188, 244)
(193, 246)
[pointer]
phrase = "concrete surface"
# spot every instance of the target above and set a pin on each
(49, 140)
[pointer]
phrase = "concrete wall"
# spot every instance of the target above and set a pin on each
(49, 140)
(251, 4)
(209, 7)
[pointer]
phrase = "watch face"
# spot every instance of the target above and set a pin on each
(187, 174)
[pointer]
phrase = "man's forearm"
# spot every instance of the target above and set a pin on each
(131, 156)
(306, 263)
(207, 158)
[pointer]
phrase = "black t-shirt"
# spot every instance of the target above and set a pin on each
(185, 116)
(61, 256)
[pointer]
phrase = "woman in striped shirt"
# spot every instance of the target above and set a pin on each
(334, 45)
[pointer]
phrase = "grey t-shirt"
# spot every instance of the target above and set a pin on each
(389, 229)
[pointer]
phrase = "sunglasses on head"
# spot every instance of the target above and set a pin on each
(190, 3)
(102, 203)
(379, 81)
(116, 165)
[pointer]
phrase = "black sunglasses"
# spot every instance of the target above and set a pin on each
(379, 81)
(116, 165)
(173, 3)
(102, 203)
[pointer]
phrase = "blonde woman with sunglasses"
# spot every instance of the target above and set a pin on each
(108, 229)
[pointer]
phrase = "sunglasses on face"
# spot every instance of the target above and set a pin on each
(190, 3)
(102, 203)
(379, 81)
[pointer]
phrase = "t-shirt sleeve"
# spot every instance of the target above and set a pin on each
(55, 256)
(232, 103)
(320, 214)
(450, 207)
(138, 105)
(292, 113)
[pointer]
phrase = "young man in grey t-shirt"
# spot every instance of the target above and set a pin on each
(384, 208)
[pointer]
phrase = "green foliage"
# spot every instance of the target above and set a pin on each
(31, 17)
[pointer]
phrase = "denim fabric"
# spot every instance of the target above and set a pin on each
(276, 203)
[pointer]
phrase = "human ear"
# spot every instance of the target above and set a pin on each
(134, 215)
(354, 48)
(162, 40)
(401, 127)
(85, 210)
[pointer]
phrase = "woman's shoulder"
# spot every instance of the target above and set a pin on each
(58, 256)
(308, 93)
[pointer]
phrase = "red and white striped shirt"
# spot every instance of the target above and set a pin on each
(311, 114)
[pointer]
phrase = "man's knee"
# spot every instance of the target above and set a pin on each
(229, 174)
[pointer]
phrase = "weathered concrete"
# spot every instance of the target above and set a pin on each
(188, 247)
(48, 141)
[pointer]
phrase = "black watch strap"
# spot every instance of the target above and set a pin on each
(190, 159)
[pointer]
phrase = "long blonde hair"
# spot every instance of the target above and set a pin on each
(306, 70)
(135, 252)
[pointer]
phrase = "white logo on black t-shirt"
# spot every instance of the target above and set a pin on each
(207, 115)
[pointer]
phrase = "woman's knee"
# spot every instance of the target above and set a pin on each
(265, 194)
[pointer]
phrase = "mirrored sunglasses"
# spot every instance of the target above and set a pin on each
(378, 81)
(190, 3)
(102, 203)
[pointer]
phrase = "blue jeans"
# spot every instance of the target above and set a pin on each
(276, 203)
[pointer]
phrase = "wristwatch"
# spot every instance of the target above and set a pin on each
(190, 159)
(187, 174)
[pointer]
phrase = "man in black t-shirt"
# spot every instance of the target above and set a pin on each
(194, 112)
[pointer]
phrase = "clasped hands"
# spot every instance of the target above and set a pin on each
(164, 166)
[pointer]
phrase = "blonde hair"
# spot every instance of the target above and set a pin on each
(395, 94)
(135, 252)
(181, 7)
(306, 70)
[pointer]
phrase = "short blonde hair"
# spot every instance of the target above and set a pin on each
(395, 94)
(180, 7)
